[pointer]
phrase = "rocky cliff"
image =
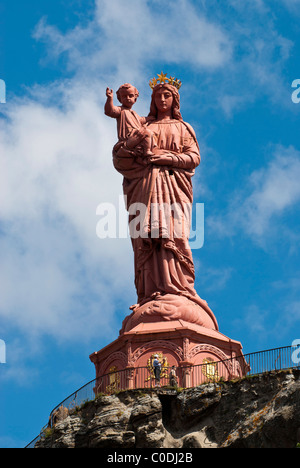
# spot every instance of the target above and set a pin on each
(255, 412)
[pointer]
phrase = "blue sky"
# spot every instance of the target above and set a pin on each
(63, 291)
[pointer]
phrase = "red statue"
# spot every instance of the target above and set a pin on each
(157, 156)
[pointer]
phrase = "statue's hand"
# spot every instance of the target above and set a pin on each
(161, 159)
(109, 92)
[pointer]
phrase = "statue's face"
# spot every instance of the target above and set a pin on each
(164, 100)
(128, 97)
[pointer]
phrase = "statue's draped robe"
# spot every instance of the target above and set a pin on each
(162, 258)
(127, 120)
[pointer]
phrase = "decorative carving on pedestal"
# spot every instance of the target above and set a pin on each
(186, 349)
(209, 348)
(164, 366)
(158, 344)
(210, 369)
(114, 380)
(118, 357)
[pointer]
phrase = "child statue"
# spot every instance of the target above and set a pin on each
(132, 132)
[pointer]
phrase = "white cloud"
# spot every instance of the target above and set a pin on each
(255, 320)
(151, 32)
(56, 276)
(240, 48)
(275, 189)
(212, 279)
(259, 58)
(267, 196)
(292, 6)
(125, 36)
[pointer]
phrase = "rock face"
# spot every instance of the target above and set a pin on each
(257, 412)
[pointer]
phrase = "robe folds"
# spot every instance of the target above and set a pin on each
(163, 260)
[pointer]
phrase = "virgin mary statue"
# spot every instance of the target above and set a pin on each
(158, 194)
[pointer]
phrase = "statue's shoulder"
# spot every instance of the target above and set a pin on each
(190, 130)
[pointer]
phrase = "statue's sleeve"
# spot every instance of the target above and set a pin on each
(190, 156)
(113, 111)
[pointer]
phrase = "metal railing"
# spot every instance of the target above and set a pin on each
(187, 377)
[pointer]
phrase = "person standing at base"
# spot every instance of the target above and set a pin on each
(173, 377)
(157, 370)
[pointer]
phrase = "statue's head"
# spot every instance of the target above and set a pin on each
(127, 94)
(175, 103)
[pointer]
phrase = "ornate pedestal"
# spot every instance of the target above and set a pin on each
(155, 328)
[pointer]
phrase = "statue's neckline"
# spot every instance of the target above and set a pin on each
(165, 121)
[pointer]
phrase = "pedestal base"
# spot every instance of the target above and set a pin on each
(196, 352)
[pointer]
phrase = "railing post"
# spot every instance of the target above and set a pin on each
(233, 366)
(186, 367)
(129, 378)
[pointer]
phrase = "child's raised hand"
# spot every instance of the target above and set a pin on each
(109, 92)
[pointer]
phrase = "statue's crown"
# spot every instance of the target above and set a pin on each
(162, 78)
